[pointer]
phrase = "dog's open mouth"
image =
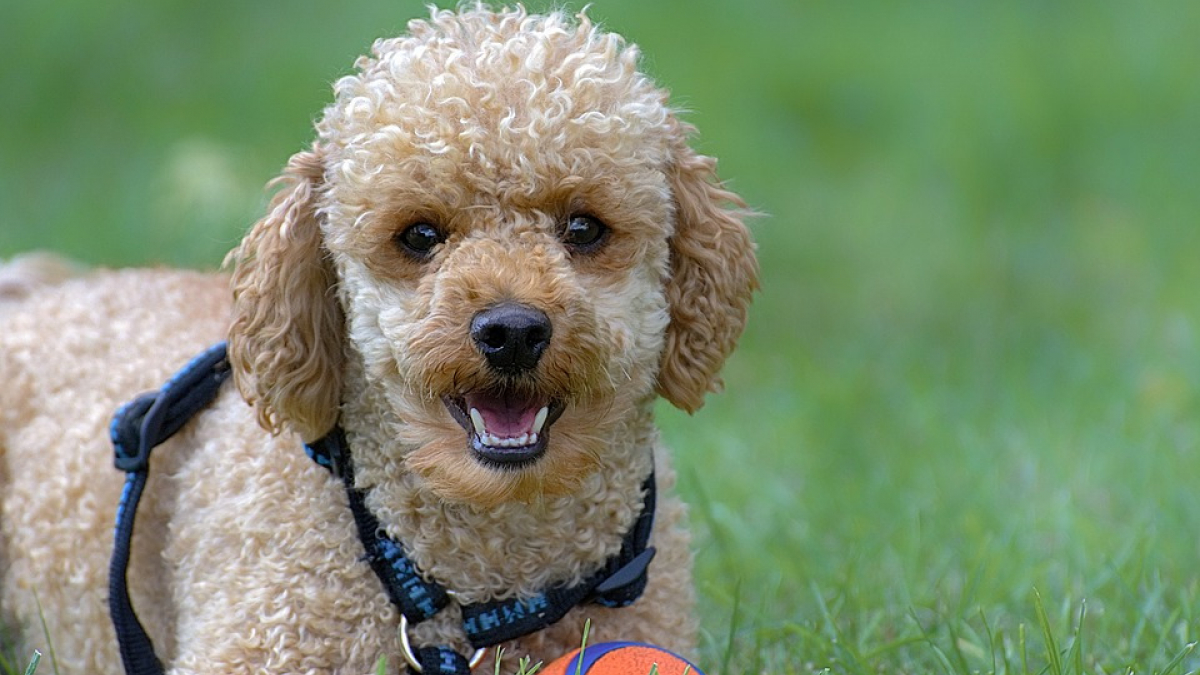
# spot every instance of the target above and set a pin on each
(504, 429)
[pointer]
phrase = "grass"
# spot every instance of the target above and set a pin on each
(33, 663)
(962, 432)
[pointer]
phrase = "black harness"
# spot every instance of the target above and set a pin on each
(152, 418)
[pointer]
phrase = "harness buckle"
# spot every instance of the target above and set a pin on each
(151, 418)
(633, 571)
(130, 454)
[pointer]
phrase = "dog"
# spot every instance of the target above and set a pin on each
(497, 254)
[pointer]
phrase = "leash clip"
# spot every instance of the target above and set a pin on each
(415, 661)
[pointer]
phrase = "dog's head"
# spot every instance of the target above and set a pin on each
(503, 218)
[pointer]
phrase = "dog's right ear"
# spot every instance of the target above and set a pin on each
(285, 341)
(713, 275)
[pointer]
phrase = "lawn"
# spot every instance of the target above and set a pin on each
(962, 433)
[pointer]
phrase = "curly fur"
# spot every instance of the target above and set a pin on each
(496, 127)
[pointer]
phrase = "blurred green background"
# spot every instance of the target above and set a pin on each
(971, 373)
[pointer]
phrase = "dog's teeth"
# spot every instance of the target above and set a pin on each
(494, 441)
(477, 421)
(482, 437)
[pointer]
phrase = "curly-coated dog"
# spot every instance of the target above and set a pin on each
(496, 256)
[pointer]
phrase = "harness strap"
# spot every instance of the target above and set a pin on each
(136, 429)
(417, 599)
(618, 584)
(442, 661)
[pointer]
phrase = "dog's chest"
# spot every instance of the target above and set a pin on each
(513, 549)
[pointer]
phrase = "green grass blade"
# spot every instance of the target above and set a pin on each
(46, 633)
(928, 639)
(991, 640)
(955, 649)
(33, 662)
(1076, 655)
(524, 666)
(1024, 652)
(1179, 658)
(587, 631)
(1052, 654)
(886, 647)
(735, 619)
(837, 640)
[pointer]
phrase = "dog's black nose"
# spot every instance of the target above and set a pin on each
(512, 336)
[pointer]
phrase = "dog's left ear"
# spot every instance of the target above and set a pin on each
(713, 274)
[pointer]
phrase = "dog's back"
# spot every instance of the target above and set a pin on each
(26, 274)
(71, 351)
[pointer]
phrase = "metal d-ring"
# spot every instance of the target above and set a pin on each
(411, 657)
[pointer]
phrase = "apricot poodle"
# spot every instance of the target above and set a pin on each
(496, 256)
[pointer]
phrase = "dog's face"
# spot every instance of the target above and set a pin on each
(523, 247)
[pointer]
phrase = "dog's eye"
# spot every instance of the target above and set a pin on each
(584, 233)
(419, 239)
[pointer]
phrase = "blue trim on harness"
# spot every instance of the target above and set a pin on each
(136, 429)
(442, 661)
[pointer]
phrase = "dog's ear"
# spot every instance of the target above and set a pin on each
(713, 274)
(285, 341)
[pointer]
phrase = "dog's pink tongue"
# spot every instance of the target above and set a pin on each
(504, 416)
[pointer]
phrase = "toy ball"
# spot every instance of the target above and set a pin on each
(621, 658)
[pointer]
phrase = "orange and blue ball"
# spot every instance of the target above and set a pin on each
(621, 658)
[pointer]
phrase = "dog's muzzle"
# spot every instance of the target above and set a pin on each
(508, 421)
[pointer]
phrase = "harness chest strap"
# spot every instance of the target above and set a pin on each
(618, 584)
(152, 418)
